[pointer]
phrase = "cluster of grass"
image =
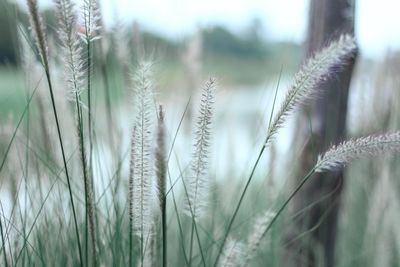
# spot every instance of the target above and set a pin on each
(71, 201)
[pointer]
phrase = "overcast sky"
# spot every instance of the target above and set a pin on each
(377, 22)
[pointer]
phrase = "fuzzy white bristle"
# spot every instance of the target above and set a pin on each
(315, 70)
(258, 232)
(143, 173)
(71, 48)
(232, 254)
(369, 146)
(197, 183)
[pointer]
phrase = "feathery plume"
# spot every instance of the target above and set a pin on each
(91, 17)
(90, 213)
(74, 77)
(315, 70)
(143, 179)
(131, 195)
(257, 234)
(304, 88)
(198, 182)
(40, 32)
(161, 169)
(161, 156)
(71, 48)
(91, 20)
(369, 146)
(232, 255)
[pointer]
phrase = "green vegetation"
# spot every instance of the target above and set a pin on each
(80, 189)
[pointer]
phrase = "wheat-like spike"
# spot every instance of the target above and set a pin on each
(71, 48)
(364, 147)
(160, 155)
(315, 70)
(92, 20)
(91, 216)
(257, 234)
(74, 77)
(233, 254)
(39, 32)
(144, 191)
(161, 169)
(197, 181)
(131, 194)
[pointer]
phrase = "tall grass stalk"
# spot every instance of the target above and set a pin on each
(143, 183)
(74, 69)
(91, 17)
(38, 28)
(171, 190)
(198, 182)
(304, 87)
(161, 168)
(89, 202)
(194, 230)
(26, 167)
(131, 195)
(338, 156)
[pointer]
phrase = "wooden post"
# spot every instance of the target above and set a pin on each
(321, 125)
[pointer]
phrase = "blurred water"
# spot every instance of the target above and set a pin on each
(239, 130)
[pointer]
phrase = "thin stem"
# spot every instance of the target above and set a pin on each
(36, 24)
(88, 200)
(195, 227)
(90, 120)
(164, 230)
(191, 242)
(162, 181)
(295, 191)
(4, 244)
(141, 190)
(283, 206)
(239, 204)
(89, 94)
(267, 139)
(178, 219)
(64, 162)
(130, 197)
(17, 127)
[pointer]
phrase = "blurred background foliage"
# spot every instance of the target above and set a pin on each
(247, 61)
(243, 59)
(8, 33)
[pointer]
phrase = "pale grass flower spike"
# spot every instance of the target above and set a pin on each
(370, 146)
(315, 70)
